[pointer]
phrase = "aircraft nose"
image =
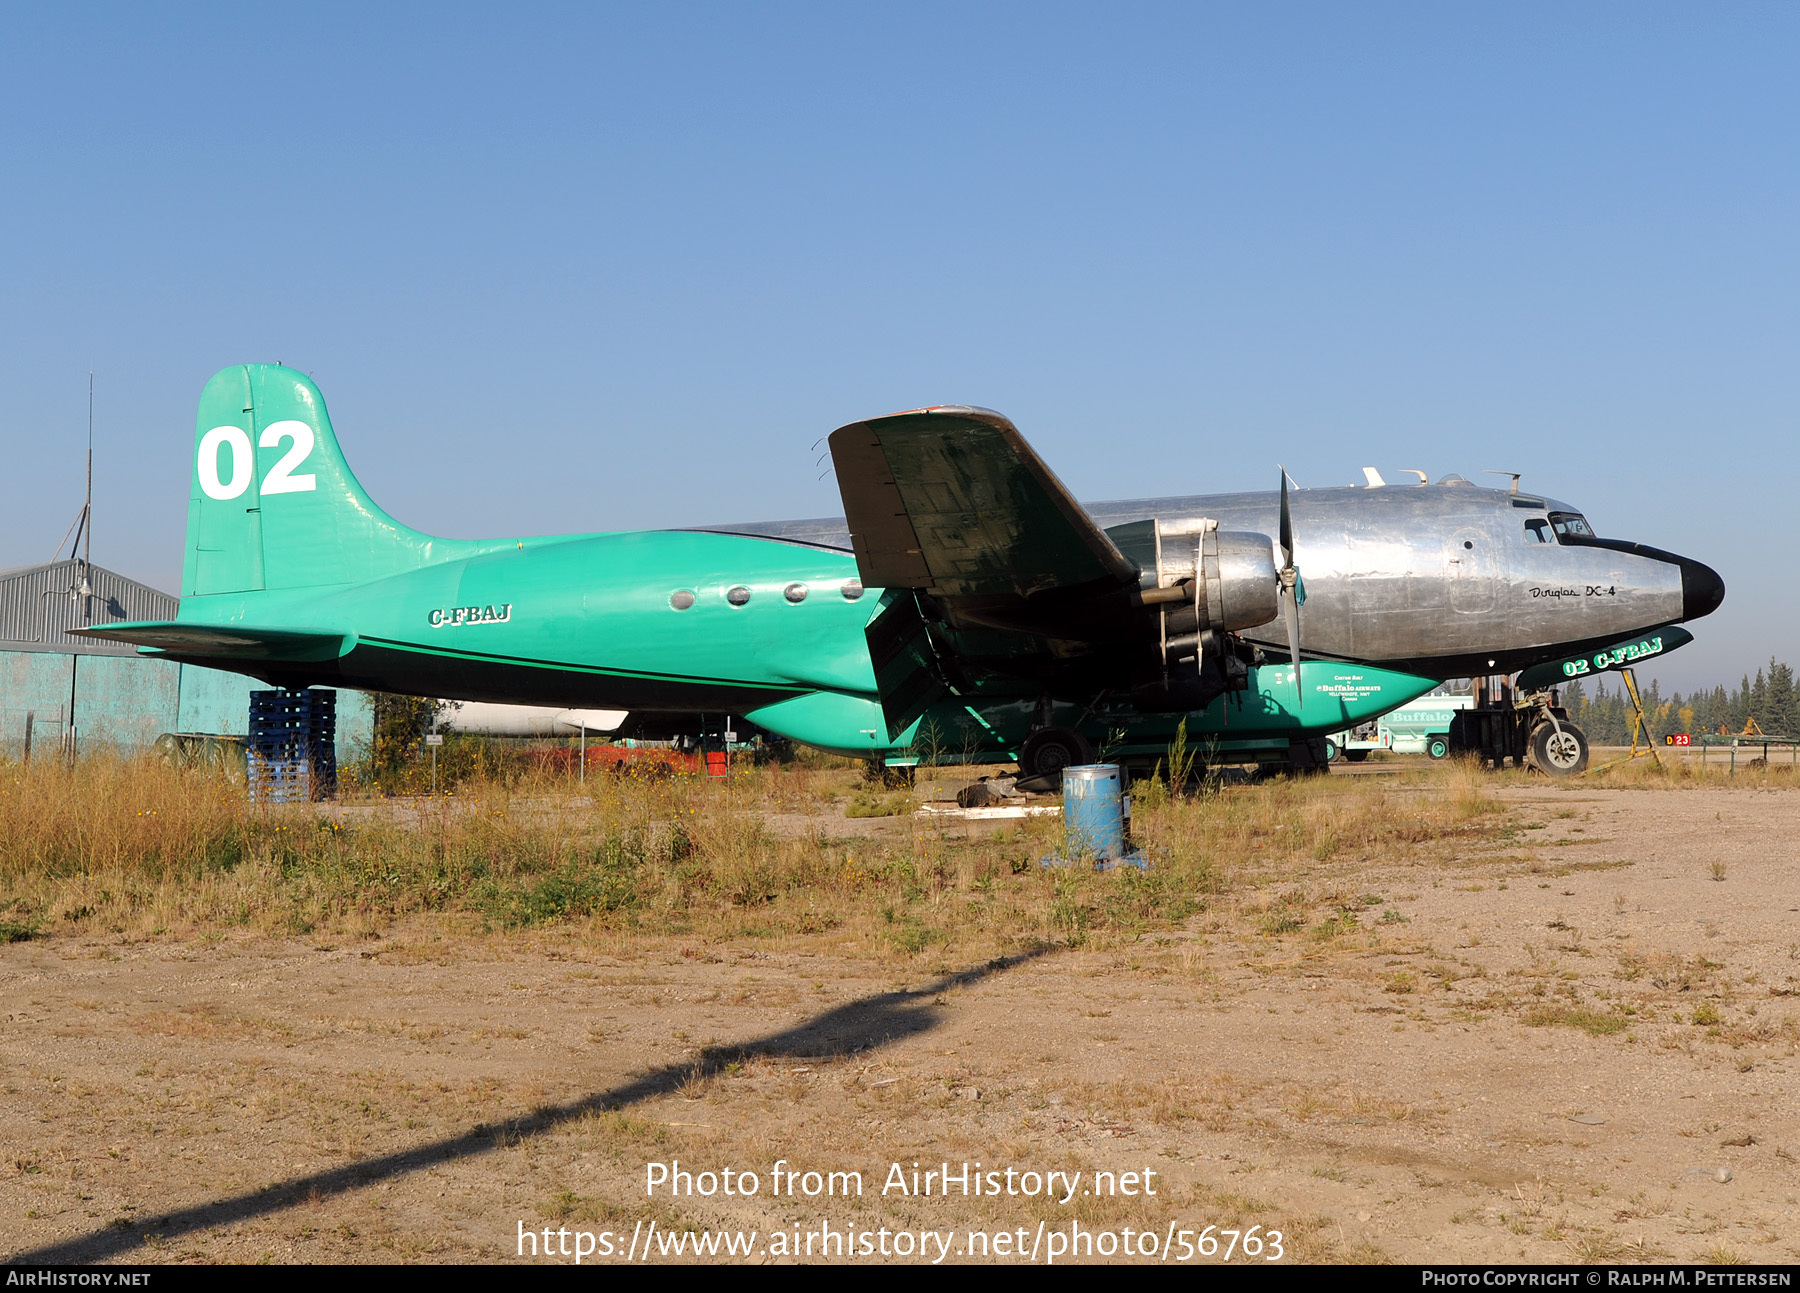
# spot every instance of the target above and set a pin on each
(1701, 589)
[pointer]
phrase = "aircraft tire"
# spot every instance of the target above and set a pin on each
(877, 773)
(1047, 753)
(1331, 750)
(1307, 758)
(1437, 745)
(1560, 754)
(1356, 756)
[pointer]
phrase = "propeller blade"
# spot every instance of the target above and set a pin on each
(1293, 627)
(1290, 588)
(1287, 524)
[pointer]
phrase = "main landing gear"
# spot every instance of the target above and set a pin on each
(1049, 750)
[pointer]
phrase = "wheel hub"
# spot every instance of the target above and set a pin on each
(1563, 750)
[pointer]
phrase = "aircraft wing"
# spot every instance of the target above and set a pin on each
(225, 641)
(985, 556)
(952, 501)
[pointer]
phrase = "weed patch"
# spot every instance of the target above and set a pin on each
(1593, 1022)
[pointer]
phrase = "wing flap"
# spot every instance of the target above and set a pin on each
(888, 552)
(909, 674)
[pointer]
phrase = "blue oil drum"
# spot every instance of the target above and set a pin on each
(1093, 811)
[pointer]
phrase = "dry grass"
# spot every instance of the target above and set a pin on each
(1671, 771)
(137, 848)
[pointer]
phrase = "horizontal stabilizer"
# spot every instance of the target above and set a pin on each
(226, 641)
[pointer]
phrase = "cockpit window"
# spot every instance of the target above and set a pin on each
(1571, 525)
(1537, 530)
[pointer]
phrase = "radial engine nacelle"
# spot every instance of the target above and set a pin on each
(1226, 579)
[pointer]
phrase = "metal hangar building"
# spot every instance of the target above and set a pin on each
(104, 694)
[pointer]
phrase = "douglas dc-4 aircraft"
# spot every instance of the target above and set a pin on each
(966, 608)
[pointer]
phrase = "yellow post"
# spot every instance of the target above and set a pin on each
(1638, 721)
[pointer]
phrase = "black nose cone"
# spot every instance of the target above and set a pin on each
(1701, 590)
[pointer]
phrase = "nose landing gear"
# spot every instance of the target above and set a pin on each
(1559, 748)
(1528, 729)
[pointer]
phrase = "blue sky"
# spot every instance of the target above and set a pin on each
(591, 268)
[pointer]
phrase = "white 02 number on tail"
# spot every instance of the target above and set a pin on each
(281, 478)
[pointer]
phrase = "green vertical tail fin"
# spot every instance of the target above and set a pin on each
(272, 502)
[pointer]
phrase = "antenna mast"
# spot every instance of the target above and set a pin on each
(81, 527)
(87, 515)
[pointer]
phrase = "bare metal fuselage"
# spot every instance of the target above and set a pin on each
(1439, 580)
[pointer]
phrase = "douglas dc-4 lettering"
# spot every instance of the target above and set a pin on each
(966, 607)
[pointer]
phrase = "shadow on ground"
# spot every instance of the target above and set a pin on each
(858, 1025)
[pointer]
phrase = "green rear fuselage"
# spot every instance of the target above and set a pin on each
(591, 621)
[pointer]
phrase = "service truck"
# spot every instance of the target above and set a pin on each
(1421, 726)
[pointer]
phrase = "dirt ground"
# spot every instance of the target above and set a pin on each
(1578, 1045)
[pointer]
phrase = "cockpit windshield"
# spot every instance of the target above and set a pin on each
(1570, 527)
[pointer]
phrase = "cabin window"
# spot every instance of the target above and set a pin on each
(1537, 530)
(852, 589)
(795, 593)
(681, 598)
(737, 594)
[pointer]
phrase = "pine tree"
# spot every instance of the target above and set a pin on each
(1779, 702)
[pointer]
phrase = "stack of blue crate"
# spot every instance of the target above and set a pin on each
(292, 746)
